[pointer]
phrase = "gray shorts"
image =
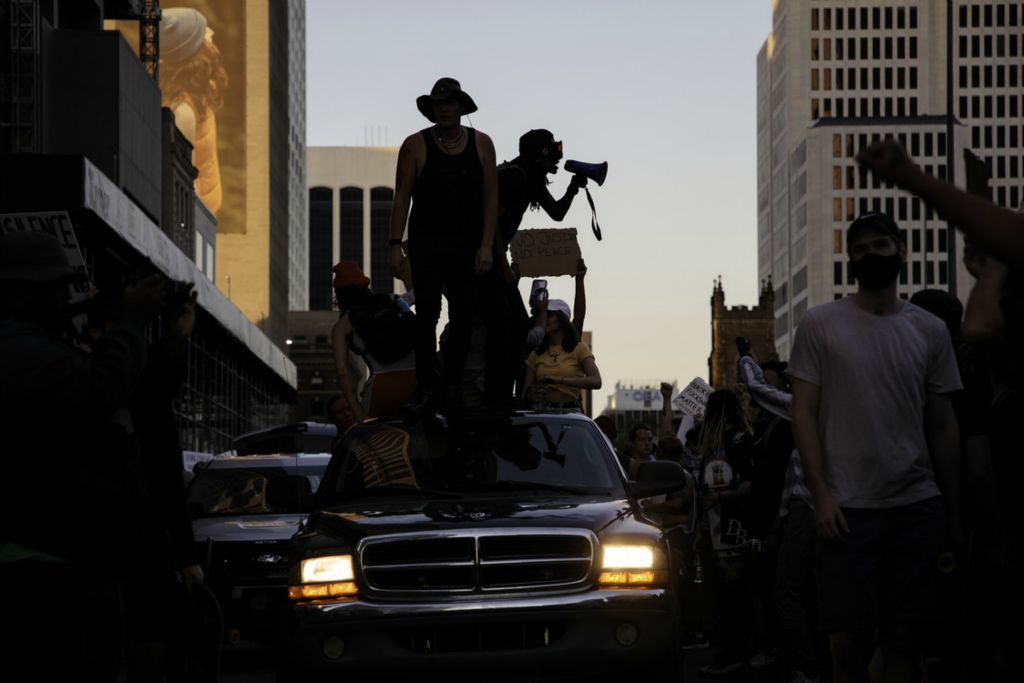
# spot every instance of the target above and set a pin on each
(884, 571)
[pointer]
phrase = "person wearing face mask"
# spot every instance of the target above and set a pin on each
(879, 443)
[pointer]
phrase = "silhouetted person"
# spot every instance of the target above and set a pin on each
(67, 496)
(165, 554)
(448, 172)
(879, 444)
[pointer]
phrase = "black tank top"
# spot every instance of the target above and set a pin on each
(447, 199)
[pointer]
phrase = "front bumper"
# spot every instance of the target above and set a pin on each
(519, 638)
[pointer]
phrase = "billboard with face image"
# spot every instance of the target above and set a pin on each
(202, 80)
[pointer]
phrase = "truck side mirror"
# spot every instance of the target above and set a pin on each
(657, 478)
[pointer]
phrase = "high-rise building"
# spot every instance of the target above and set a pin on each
(350, 195)
(834, 77)
(298, 242)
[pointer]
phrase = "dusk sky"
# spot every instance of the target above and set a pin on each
(662, 90)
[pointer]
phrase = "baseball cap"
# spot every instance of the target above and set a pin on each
(559, 306)
(882, 222)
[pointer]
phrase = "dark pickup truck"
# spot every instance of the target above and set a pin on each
(483, 548)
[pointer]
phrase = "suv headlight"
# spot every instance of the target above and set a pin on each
(325, 577)
(632, 566)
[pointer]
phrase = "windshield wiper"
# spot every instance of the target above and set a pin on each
(396, 490)
(531, 486)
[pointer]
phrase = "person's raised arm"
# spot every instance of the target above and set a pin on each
(405, 177)
(558, 208)
(943, 434)
(776, 401)
(828, 517)
(995, 229)
(665, 429)
(535, 336)
(579, 305)
(485, 255)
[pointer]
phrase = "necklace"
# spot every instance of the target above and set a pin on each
(453, 143)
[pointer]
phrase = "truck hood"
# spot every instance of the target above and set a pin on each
(251, 528)
(350, 522)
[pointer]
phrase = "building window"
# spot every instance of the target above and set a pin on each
(814, 109)
(210, 261)
(380, 233)
(814, 19)
(814, 79)
(814, 49)
(350, 224)
(837, 145)
(837, 209)
(199, 250)
(837, 179)
(850, 212)
(321, 207)
(799, 281)
(837, 241)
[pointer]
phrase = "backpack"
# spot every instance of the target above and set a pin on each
(386, 331)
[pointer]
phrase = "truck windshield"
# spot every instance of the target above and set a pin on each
(253, 490)
(528, 454)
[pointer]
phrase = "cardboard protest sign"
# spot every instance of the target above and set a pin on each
(693, 398)
(547, 252)
(56, 224)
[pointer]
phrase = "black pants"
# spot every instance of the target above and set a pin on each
(451, 273)
(520, 323)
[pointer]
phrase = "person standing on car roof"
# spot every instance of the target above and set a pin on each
(68, 494)
(523, 184)
(447, 172)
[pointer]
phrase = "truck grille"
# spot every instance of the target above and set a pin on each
(265, 562)
(476, 561)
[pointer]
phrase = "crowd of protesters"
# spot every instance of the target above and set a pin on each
(853, 513)
(850, 511)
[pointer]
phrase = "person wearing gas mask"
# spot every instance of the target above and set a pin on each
(878, 439)
(523, 184)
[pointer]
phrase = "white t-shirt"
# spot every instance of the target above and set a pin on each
(875, 373)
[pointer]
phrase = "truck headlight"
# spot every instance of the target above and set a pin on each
(325, 577)
(628, 557)
(632, 566)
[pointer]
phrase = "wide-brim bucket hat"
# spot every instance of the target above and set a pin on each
(445, 89)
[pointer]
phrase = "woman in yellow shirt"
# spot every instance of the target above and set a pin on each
(562, 366)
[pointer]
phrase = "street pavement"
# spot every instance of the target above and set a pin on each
(258, 667)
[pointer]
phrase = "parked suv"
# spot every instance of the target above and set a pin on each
(483, 548)
(244, 511)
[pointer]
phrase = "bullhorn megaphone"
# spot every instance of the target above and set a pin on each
(596, 172)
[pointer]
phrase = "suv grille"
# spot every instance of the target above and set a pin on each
(490, 560)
